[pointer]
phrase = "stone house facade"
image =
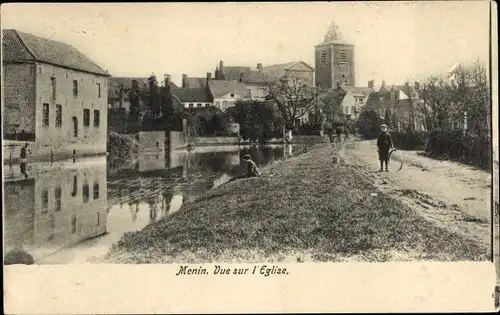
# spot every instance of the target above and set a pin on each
(54, 96)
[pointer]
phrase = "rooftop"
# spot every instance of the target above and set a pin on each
(23, 47)
(193, 95)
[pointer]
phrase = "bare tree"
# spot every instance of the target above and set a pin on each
(293, 98)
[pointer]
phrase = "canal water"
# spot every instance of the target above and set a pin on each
(73, 212)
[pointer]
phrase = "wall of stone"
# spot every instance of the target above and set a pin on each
(151, 140)
(309, 139)
(177, 139)
(91, 96)
(19, 97)
(201, 141)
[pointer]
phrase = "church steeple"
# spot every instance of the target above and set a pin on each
(333, 33)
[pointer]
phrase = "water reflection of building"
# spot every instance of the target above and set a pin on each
(151, 161)
(61, 205)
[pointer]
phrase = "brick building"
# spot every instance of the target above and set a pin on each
(334, 61)
(54, 96)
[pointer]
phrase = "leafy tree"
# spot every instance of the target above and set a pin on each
(293, 97)
(368, 124)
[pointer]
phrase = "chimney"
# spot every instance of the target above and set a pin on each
(241, 77)
(216, 76)
(209, 76)
(371, 83)
(259, 67)
(221, 65)
(184, 80)
(383, 84)
(166, 79)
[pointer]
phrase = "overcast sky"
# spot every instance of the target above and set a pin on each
(394, 41)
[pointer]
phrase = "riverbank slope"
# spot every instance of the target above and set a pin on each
(302, 209)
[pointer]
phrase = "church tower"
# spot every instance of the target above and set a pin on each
(334, 61)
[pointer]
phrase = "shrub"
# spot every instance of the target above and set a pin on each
(410, 140)
(121, 146)
(471, 148)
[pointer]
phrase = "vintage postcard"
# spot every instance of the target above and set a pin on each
(250, 157)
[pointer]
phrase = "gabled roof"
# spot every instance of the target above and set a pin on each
(279, 70)
(220, 88)
(196, 82)
(23, 47)
(127, 82)
(233, 73)
(193, 95)
(246, 74)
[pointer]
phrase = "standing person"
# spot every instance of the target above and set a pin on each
(384, 145)
(339, 132)
(251, 167)
(346, 133)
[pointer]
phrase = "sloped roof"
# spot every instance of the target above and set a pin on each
(196, 82)
(232, 73)
(191, 95)
(249, 76)
(23, 47)
(127, 82)
(220, 88)
(279, 70)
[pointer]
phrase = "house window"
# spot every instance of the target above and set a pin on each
(96, 118)
(99, 90)
(353, 109)
(75, 186)
(45, 113)
(73, 224)
(346, 109)
(57, 197)
(98, 218)
(75, 88)
(85, 193)
(86, 117)
(217, 103)
(58, 115)
(324, 57)
(53, 83)
(96, 191)
(75, 127)
(199, 105)
(191, 105)
(342, 57)
(249, 92)
(45, 201)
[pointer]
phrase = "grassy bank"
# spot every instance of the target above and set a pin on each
(301, 209)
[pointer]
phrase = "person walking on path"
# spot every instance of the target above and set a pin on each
(346, 133)
(384, 145)
(339, 133)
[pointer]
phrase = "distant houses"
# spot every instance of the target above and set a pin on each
(55, 98)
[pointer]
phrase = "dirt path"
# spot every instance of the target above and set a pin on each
(451, 195)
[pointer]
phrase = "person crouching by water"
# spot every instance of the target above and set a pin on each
(251, 167)
(384, 145)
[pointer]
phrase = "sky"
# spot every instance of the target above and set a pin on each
(394, 41)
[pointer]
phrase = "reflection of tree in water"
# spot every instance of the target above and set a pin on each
(168, 195)
(153, 208)
(133, 212)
